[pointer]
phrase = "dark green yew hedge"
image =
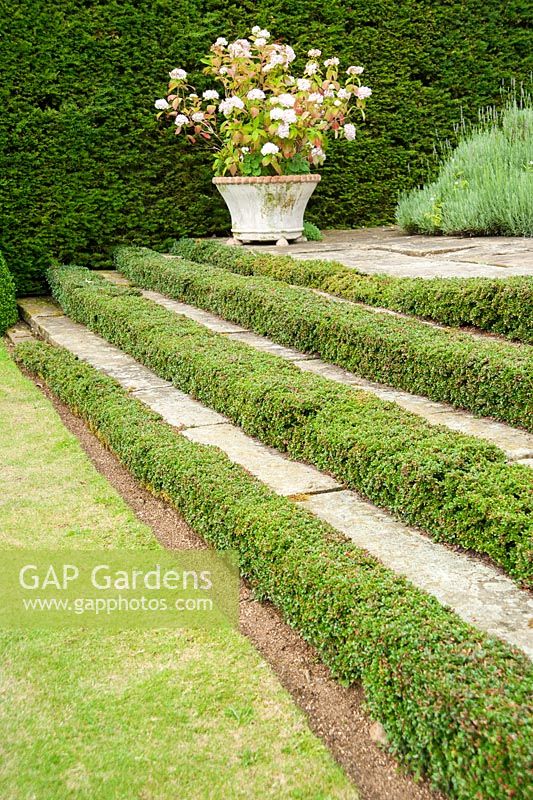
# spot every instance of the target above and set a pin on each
(454, 703)
(489, 377)
(8, 304)
(501, 305)
(83, 166)
(458, 488)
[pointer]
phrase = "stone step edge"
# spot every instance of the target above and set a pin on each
(474, 333)
(195, 420)
(362, 258)
(479, 593)
(515, 443)
(17, 333)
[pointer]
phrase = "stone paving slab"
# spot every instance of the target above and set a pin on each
(179, 409)
(267, 346)
(63, 332)
(422, 245)
(283, 476)
(474, 590)
(478, 592)
(19, 332)
(40, 307)
(387, 251)
(111, 275)
(380, 262)
(516, 263)
(459, 248)
(514, 442)
(211, 321)
(133, 377)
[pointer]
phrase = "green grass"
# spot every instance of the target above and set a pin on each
(50, 494)
(485, 185)
(453, 701)
(499, 305)
(154, 714)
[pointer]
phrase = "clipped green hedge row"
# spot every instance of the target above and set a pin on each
(84, 77)
(8, 304)
(454, 703)
(491, 378)
(499, 305)
(456, 487)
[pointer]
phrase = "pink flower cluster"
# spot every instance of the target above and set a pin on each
(263, 118)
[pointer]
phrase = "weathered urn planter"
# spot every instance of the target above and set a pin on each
(268, 127)
(267, 208)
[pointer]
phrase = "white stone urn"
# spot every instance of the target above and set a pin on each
(267, 208)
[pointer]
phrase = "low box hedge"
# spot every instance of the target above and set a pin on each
(454, 703)
(8, 304)
(458, 488)
(498, 305)
(489, 378)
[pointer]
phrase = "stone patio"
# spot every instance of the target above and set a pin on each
(387, 250)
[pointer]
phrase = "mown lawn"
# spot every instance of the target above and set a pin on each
(136, 715)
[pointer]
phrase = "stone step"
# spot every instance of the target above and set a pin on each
(373, 261)
(515, 443)
(194, 420)
(479, 593)
(387, 251)
(19, 332)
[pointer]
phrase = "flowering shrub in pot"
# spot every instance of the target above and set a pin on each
(268, 127)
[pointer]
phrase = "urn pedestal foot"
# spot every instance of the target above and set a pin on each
(267, 208)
